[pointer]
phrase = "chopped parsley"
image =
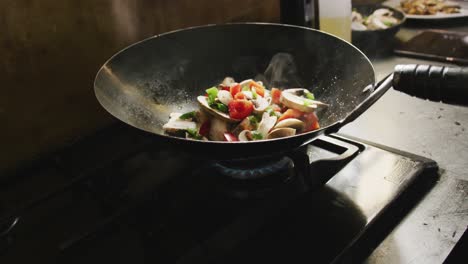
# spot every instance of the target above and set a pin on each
(193, 133)
(254, 93)
(222, 107)
(309, 95)
(253, 120)
(387, 23)
(188, 115)
(270, 111)
(256, 135)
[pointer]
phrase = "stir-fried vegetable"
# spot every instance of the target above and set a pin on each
(247, 111)
(188, 115)
(381, 18)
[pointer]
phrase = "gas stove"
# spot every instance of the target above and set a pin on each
(120, 196)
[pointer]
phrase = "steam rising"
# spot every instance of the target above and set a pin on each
(282, 72)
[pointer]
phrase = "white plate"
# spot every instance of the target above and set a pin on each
(463, 10)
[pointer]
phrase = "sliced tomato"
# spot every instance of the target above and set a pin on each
(235, 89)
(240, 109)
(311, 122)
(230, 137)
(275, 95)
(205, 129)
(239, 96)
(290, 113)
(225, 88)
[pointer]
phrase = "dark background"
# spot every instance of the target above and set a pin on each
(51, 50)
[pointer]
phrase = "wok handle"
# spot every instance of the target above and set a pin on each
(435, 83)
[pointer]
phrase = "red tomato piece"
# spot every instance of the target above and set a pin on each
(205, 129)
(240, 109)
(275, 95)
(311, 122)
(291, 113)
(230, 137)
(235, 89)
(225, 88)
(239, 96)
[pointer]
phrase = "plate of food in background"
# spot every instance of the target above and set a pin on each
(430, 9)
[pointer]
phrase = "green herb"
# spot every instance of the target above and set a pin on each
(193, 133)
(222, 107)
(388, 24)
(256, 135)
(219, 106)
(245, 88)
(254, 93)
(253, 120)
(309, 95)
(212, 94)
(270, 111)
(188, 115)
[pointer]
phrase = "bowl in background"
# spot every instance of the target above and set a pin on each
(375, 42)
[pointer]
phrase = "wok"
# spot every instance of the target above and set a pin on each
(142, 84)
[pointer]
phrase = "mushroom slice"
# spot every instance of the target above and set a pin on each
(175, 124)
(245, 83)
(291, 123)
(267, 123)
(358, 26)
(382, 12)
(245, 135)
(293, 98)
(281, 132)
(261, 104)
(227, 82)
(376, 23)
(204, 103)
(245, 124)
(248, 94)
(224, 97)
(217, 129)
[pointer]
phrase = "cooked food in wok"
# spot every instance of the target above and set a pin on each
(381, 18)
(247, 111)
(428, 7)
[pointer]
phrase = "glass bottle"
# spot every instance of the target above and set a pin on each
(335, 18)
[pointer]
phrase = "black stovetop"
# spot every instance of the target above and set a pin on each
(118, 196)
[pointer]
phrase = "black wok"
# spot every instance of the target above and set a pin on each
(142, 84)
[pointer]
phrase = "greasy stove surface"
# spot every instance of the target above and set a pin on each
(120, 197)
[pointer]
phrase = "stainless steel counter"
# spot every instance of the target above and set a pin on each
(434, 130)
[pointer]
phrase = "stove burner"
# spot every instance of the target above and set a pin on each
(260, 178)
(251, 170)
